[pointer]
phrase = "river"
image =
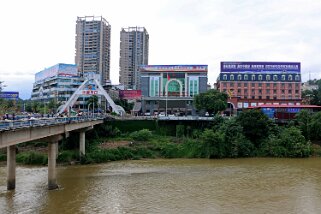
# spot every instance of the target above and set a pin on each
(254, 185)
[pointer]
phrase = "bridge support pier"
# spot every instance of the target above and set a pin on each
(82, 139)
(52, 176)
(11, 167)
(82, 145)
(52, 156)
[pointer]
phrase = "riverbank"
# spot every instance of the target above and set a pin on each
(127, 147)
(251, 134)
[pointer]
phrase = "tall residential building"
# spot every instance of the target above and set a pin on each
(93, 47)
(134, 42)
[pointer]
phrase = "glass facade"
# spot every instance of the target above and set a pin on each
(193, 86)
(154, 86)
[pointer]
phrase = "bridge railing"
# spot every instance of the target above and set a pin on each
(18, 124)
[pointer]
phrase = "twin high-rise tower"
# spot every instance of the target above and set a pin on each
(93, 50)
(93, 47)
(133, 53)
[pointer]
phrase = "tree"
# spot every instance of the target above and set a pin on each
(125, 104)
(303, 119)
(35, 106)
(92, 101)
(255, 125)
(315, 126)
(211, 101)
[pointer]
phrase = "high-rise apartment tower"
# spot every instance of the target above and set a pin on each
(93, 46)
(133, 53)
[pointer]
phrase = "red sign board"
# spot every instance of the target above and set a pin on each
(130, 94)
(89, 92)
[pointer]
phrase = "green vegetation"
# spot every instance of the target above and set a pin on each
(32, 158)
(250, 134)
(212, 101)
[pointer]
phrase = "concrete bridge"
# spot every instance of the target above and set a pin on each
(50, 130)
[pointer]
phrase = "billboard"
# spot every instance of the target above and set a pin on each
(261, 67)
(173, 68)
(9, 95)
(59, 69)
(130, 94)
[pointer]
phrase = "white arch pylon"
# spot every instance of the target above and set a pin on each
(100, 91)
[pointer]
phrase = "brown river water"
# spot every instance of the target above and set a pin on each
(255, 185)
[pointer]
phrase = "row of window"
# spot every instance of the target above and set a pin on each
(261, 77)
(270, 97)
(288, 85)
(268, 91)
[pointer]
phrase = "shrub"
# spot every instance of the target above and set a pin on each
(142, 135)
(68, 156)
(3, 157)
(180, 129)
(32, 158)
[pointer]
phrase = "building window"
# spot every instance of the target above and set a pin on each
(238, 84)
(290, 78)
(268, 85)
(253, 84)
(274, 91)
(246, 77)
(267, 97)
(232, 77)
(297, 77)
(154, 86)
(239, 77)
(193, 86)
(253, 77)
(289, 91)
(224, 77)
(224, 84)
(238, 91)
(267, 91)
(275, 77)
(282, 91)
(260, 84)
(283, 77)
(268, 77)
(232, 84)
(260, 77)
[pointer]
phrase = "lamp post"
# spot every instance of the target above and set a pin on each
(166, 94)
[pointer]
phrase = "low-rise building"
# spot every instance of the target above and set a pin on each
(170, 89)
(57, 83)
(251, 84)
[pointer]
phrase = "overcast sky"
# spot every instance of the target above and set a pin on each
(36, 34)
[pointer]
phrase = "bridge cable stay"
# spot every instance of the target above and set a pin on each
(100, 91)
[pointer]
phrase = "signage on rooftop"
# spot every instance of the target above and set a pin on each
(261, 67)
(171, 68)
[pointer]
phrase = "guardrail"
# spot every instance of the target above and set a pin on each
(19, 124)
(184, 118)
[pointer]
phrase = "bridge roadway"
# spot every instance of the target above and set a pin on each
(49, 130)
